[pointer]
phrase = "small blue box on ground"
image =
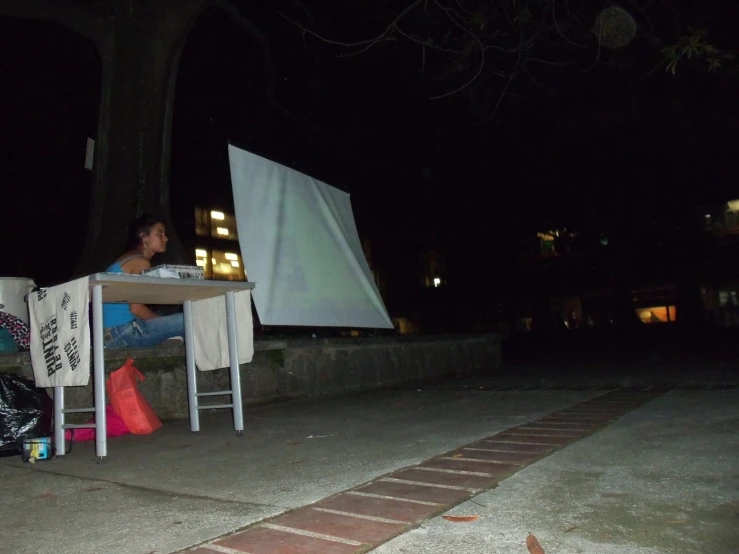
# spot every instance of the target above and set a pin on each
(38, 449)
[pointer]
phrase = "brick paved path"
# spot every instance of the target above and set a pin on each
(363, 517)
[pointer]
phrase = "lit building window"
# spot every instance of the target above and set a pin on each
(437, 281)
(219, 265)
(658, 314)
(225, 227)
(201, 260)
(216, 224)
(227, 266)
(546, 243)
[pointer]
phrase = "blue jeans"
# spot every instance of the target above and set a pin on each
(141, 333)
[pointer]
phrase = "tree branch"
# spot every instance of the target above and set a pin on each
(556, 26)
(455, 30)
(468, 83)
(368, 43)
(511, 76)
(450, 14)
(597, 56)
(425, 43)
(301, 6)
(465, 10)
(74, 15)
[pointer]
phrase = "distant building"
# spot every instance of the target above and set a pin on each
(656, 304)
(722, 219)
(217, 248)
(434, 269)
(720, 276)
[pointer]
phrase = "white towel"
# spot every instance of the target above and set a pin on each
(60, 335)
(210, 333)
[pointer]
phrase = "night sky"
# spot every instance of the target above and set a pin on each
(622, 148)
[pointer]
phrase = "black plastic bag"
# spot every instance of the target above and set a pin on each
(25, 412)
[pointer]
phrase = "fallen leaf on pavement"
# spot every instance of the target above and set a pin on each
(460, 519)
(293, 443)
(533, 545)
(458, 456)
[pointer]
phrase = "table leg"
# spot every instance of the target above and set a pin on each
(59, 443)
(233, 356)
(101, 437)
(192, 376)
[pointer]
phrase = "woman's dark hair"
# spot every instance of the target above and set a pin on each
(143, 224)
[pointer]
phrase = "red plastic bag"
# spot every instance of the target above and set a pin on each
(114, 427)
(129, 403)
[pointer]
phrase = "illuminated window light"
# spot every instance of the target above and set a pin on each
(201, 253)
(213, 261)
(200, 263)
(222, 231)
(234, 263)
(232, 257)
(437, 281)
(217, 215)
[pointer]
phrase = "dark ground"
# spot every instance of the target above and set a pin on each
(670, 354)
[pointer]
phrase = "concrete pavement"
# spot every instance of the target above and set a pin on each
(663, 479)
(667, 463)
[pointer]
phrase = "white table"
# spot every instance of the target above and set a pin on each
(126, 289)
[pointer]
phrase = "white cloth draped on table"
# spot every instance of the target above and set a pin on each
(210, 331)
(60, 334)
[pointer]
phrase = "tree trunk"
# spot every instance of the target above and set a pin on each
(139, 42)
(140, 56)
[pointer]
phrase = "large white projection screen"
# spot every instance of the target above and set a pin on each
(300, 246)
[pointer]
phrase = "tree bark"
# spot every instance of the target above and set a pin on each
(139, 42)
(85, 19)
(140, 56)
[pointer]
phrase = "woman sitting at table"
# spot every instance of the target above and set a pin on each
(136, 325)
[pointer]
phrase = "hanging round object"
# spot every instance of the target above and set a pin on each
(614, 27)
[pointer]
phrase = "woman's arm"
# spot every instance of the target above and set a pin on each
(136, 267)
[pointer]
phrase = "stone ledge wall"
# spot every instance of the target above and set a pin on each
(294, 369)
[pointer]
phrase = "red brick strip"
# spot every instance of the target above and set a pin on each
(360, 519)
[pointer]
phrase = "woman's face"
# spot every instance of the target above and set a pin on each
(156, 240)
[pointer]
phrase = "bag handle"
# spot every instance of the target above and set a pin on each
(129, 364)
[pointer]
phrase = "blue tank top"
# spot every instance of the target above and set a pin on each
(117, 314)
